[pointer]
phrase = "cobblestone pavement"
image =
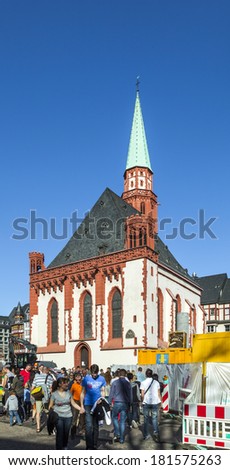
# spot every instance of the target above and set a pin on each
(25, 437)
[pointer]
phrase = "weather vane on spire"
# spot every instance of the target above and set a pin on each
(137, 83)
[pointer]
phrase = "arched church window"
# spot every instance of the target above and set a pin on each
(160, 308)
(116, 315)
(54, 322)
(178, 304)
(87, 316)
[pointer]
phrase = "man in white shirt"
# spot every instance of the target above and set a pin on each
(45, 380)
(151, 397)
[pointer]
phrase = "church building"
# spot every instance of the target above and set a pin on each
(115, 287)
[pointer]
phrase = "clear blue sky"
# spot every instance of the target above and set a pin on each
(67, 73)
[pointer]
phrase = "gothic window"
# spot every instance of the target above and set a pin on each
(142, 207)
(54, 322)
(140, 237)
(178, 304)
(116, 315)
(132, 239)
(160, 308)
(87, 316)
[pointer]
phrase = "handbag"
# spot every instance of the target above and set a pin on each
(51, 421)
(37, 393)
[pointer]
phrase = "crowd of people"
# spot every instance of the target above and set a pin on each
(76, 401)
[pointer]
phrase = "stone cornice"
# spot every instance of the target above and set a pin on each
(84, 271)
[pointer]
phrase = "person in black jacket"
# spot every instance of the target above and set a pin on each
(134, 411)
(120, 399)
(18, 387)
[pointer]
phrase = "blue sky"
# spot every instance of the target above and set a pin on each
(67, 90)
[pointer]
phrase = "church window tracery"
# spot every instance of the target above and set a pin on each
(53, 322)
(116, 315)
(87, 316)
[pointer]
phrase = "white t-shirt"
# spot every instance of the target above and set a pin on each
(151, 397)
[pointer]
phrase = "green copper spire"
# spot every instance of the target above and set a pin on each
(138, 154)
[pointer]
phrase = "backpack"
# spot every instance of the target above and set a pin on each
(126, 389)
(37, 393)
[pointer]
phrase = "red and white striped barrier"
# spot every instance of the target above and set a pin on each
(165, 395)
(207, 425)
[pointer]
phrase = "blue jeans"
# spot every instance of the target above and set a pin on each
(150, 411)
(63, 426)
(91, 428)
(133, 413)
(13, 413)
(119, 426)
(21, 408)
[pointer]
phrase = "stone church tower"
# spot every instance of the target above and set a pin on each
(115, 287)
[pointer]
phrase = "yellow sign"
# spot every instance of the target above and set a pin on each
(209, 347)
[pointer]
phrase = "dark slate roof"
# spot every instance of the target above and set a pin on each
(101, 232)
(225, 297)
(4, 321)
(89, 241)
(167, 259)
(212, 288)
(24, 312)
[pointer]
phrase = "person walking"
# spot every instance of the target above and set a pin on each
(7, 380)
(44, 380)
(78, 422)
(134, 411)
(11, 406)
(93, 388)
(120, 399)
(26, 373)
(151, 397)
(108, 378)
(140, 375)
(61, 401)
(27, 400)
(18, 387)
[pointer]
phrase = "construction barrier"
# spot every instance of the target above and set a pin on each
(207, 425)
(165, 395)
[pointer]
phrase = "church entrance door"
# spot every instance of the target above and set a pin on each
(82, 355)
